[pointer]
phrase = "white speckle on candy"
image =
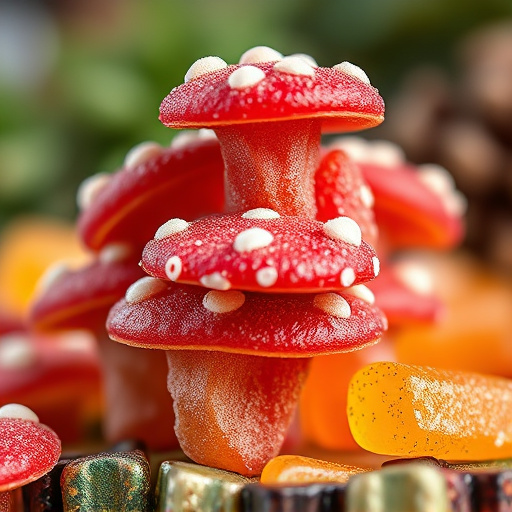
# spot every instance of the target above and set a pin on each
(260, 54)
(16, 352)
(141, 153)
(345, 229)
(415, 276)
(244, 77)
(266, 276)
(353, 70)
(261, 213)
(143, 289)
(18, 411)
(348, 276)
(171, 227)
(89, 189)
(216, 281)
(306, 58)
(51, 275)
(173, 268)
(332, 304)
(366, 195)
(294, 66)
(112, 253)
(376, 266)
(362, 292)
(223, 302)
(204, 66)
(251, 239)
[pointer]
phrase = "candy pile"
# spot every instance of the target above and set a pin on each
(259, 252)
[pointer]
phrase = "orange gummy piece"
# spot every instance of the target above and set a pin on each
(398, 409)
(297, 469)
(323, 404)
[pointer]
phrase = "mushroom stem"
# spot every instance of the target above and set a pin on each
(137, 405)
(271, 165)
(233, 410)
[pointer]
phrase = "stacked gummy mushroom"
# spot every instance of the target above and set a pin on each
(118, 213)
(241, 301)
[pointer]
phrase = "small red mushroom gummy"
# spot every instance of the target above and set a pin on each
(28, 449)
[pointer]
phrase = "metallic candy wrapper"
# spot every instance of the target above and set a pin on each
(186, 487)
(107, 482)
(307, 498)
(407, 488)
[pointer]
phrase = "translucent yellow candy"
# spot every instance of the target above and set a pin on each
(404, 410)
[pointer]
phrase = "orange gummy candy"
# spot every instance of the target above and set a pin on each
(414, 411)
(294, 469)
(323, 402)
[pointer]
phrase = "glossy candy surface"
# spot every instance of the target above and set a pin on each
(28, 450)
(263, 251)
(398, 409)
(284, 325)
(135, 201)
(295, 469)
(328, 94)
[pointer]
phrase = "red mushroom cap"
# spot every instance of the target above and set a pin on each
(156, 183)
(261, 251)
(291, 88)
(401, 298)
(164, 315)
(415, 206)
(342, 191)
(28, 450)
(81, 299)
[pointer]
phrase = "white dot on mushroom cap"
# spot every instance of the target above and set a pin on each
(362, 292)
(307, 58)
(353, 70)
(173, 268)
(171, 227)
(143, 289)
(260, 54)
(376, 266)
(345, 229)
(246, 76)
(366, 195)
(436, 177)
(251, 239)
(112, 253)
(18, 411)
(223, 302)
(385, 153)
(261, 213)
(332, 304)
(16, 352)
(266, 276)
(203, 66)
(216, 281)
(294, 66)
(415, 276)
(348, 276)
(356, 148)
(89, 189)
(141, 153)
(51, 275)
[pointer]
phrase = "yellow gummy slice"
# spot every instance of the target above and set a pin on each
(398, 409)
(294, 469)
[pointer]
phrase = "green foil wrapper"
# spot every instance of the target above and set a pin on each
(107, 482)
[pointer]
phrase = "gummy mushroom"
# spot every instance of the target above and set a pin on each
(268, 112)
(28, 449)
(233, 405)
(151, 187)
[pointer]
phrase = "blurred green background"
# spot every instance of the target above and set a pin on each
(81, 81)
